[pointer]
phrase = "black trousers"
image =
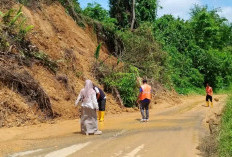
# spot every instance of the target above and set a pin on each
(144, 105)
(102, 104)
(209, 97)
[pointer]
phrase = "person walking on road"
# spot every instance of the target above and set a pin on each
(209, 95)
(89, 105)
(101, 99)
(144, 100)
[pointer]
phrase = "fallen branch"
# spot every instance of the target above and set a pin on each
(117, 95)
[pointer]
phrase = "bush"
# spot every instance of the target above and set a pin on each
(142, 51)
(126, 83)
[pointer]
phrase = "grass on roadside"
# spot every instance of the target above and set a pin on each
(223, 90)
(225, 136)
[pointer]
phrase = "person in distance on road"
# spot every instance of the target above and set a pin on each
(101, 99)
(89, 105)
(209, 95)
(144, 100)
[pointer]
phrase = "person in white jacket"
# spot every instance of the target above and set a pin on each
(89, 105)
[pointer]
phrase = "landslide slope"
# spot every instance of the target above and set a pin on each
(56, 34)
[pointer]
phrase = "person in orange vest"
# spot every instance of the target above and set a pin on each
(209, 95)
(144, 100)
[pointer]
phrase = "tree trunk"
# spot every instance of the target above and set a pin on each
(118, 97)
(133, 16)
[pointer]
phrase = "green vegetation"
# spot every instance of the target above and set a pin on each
(71, 5)
(24, 2)
(15, 23)
(200, 49)
(142, 51)
(123, 80)
(97, 53)
(44, 59)
(225, 136)
(73, 9)
(180, 54)
(145, 11)
(126, 84)
(97, 13)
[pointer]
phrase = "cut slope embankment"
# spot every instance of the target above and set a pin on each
(56, 34)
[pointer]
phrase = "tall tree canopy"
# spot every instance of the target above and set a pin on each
(146, 11)
(121, 10)
(95, 11)
(209, 28)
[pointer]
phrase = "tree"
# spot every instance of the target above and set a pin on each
(173, 32)
(209, 28)
(146, 10)
(96, 11)
(133, 15)
(122, 10)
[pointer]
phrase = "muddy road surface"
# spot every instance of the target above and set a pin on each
(172, 131)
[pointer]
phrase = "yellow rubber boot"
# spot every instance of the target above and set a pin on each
(207, 104)
(102, 113)
(211, 105)
(99, 115)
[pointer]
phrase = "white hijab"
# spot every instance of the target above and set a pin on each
(88, 90)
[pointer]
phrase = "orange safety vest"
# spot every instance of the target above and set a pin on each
(146, 93)
(209, 91)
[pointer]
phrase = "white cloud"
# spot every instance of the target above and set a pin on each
(177, 8)
(226, 12)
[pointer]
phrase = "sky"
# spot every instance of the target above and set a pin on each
(180, 8)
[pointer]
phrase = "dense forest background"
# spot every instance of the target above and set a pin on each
(181, 54)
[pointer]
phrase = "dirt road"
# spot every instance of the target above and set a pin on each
(171, 132)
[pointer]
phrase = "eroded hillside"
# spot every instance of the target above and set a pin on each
(57, 35)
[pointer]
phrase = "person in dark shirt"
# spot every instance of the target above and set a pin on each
(101, 99)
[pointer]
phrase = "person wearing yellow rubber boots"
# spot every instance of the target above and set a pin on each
(101, 99)
(209, 95)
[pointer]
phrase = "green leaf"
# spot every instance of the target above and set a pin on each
(1, 14)
(97, 52)
(12, 22)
